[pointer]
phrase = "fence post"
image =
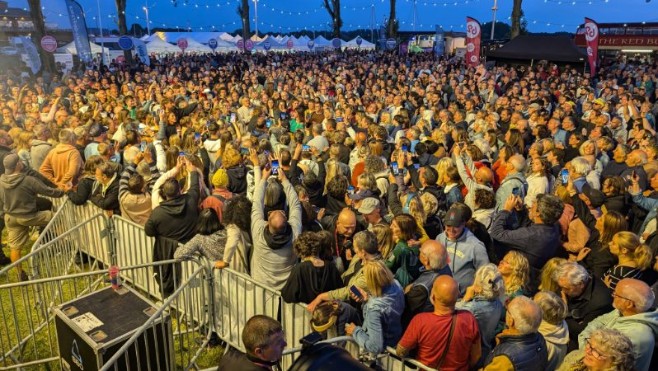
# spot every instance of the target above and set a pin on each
(111, 234)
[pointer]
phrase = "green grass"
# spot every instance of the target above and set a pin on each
(19, 311)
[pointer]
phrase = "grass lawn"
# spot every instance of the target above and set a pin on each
(25, 307)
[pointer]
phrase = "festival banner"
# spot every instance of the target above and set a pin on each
(439, 42)
(79, 27)
(473, 36)
(141, 52)
(592, 38)
(33, 58)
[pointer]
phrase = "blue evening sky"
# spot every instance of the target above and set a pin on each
(281, 16)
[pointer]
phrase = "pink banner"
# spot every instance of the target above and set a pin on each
(473, 36)
(592, 38)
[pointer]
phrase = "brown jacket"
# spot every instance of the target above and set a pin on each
(62, 165)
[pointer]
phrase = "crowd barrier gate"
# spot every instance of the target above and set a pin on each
(205, 299)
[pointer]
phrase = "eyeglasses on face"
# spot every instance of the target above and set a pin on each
(593, 351)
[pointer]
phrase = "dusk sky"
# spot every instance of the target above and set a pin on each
(281, 16)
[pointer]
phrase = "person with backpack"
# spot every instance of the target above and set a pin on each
(220, 193)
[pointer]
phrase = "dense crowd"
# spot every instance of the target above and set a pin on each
(500, 217)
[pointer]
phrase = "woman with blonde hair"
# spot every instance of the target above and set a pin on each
(483, 300)
(597, 258)
(382, 311)
(23, 145)
(546, 281)
(633, 257)
(515, 269)
(384, 239)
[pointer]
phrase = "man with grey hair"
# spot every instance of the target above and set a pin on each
(579, 168)
(434, 258)
(514, 183)
(586, 298)
(520, 345)
(63, 164)
(538, 235)
(553, 327)
(633, 317)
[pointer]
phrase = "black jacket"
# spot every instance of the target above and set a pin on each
(594, 301)
(237, 179)
(108, 200)
(82, 194)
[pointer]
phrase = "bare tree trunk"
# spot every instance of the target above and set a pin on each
(334, 12)
(123, 28)
(47, 59)
(243, 12)
(516, 19)
(392, 27)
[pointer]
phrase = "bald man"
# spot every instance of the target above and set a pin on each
(442, 337)
(633, 317)
(520, 346)
(434, 258)
(342, 227)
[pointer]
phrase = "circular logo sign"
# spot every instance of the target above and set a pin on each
(390, 43)
(182, 43)
(470, 47)
(212, 43)
(359, 40)
(590, 52)
(267, 45)
(240, 44)
(289, 44)
(474, 59)
(248, 45)
(335, 43)
(125, 43)
(310, 44)
(49, 43)
(472, 29)
(591, 31)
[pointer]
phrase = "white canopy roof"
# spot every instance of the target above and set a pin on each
(70, 48)
(160, 46)
(321, 41)
(195, 46)
(365, 44)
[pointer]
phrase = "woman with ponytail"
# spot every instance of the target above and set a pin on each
(633, 258)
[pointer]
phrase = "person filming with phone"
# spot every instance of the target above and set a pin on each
(537, 234)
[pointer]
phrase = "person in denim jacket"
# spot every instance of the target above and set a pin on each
(384, 304)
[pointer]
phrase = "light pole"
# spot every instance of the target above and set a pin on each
(148, 26)
(493, 24)
(256, 15)
(100, 26)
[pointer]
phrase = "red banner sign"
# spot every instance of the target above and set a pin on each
(473, 36)
(592, 38)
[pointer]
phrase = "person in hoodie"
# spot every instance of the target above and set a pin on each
(63, 164)
(18, 199)
(465, 251)
(173, 221)
(272, 234)
(237, 172)
(39, 147)
(633, 317)
(553, 327)
(135, 193)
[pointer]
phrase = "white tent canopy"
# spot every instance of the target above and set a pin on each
(352, 44)
(160, 46)
(70, 48)
(197, 47)
(274, 44)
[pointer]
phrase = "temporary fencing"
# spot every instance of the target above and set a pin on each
(70, 259)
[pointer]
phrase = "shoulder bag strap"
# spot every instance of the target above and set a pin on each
(445, 351)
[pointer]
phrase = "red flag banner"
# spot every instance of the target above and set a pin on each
(473, 36)
(592, 38)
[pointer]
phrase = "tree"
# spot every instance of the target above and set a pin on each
(243, 12)
(517, 13)
(392, 25)
(123, 28)
(334, 12)
(47, 59)
(501, 32)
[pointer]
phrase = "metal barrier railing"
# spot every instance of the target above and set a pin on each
(392, 362)
(205, 300)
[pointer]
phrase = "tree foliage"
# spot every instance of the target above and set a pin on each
(392, 24)
(243, 13)
(333, 8)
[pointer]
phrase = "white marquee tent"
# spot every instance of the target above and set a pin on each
(70, 48)
(352, 44)
(160, 46)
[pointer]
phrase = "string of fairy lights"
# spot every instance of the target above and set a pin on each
(272, 9)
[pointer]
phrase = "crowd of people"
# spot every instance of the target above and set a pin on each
(500, 217)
